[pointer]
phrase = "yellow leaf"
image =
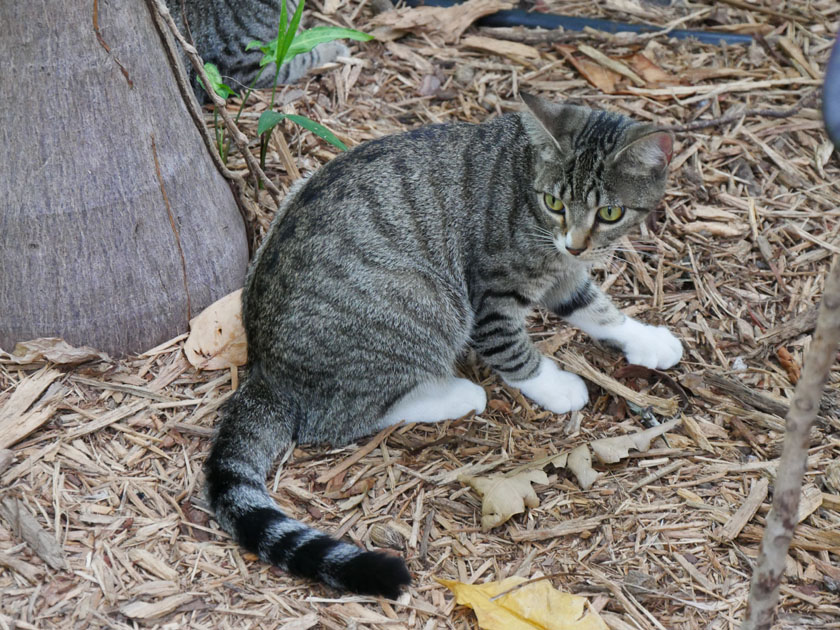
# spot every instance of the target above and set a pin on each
(535, 606)
(217, 338)
(505, 496)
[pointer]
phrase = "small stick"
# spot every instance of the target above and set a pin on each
(778, 532)
(658, 474)
(733, 116)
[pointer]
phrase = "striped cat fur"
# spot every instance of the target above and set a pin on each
(221, 30)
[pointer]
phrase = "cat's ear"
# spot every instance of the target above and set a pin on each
(647, 151)
(552, 123)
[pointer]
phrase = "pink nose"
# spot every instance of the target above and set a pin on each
(575, 252)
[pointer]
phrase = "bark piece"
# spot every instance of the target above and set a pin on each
(23, 524)
(111, 183)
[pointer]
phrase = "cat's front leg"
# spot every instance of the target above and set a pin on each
(591, 310)
(500, 339)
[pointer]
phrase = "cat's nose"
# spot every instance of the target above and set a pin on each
(574, 251)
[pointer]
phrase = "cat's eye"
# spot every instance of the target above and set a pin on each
(553, 203)
(610, 214)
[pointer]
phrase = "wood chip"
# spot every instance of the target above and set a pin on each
(23, 524)
(744, 514)
(15, 421)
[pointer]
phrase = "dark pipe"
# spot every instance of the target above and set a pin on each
(831, 96)
(518, 17)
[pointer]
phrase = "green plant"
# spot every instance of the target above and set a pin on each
(287, 45)
(215, 79)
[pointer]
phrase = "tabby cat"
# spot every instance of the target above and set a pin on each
(392, 260)
(221, 30)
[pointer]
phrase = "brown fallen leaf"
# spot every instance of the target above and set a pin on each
(650, 72)
(789, 363)
(217, 338)
(519, 604)
(614, 449)
(600, 77)
(54, 350)
(611, 64)
(504, 496)
(448, 22)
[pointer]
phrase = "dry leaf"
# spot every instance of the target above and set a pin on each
(449, 22)
(533, 606)
(597, 75)
(503, 496)
(611, 64)
(789, 363)
(614, 449)
(650, 72)
(54, 350)
(580, 463)
(217, 338)
(501, 47)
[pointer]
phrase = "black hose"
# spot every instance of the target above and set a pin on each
(831, 96)
(518, 17)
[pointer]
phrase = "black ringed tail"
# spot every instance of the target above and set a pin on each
(255, 426)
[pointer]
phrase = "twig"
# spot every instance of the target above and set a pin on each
(749, 113)
(550, 576)
(778, 532)
(238, 137)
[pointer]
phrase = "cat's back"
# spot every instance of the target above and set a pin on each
(377, 233)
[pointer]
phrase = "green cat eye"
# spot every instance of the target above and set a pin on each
(610, 214)
(553, 203)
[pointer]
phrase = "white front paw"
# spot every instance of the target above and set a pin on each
(654, 347)
(554, 389)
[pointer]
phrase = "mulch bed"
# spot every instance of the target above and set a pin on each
(733, 263)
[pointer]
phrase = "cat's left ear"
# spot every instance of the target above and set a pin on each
(647, 151)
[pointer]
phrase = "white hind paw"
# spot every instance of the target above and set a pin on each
(433, 401)
(554, 389)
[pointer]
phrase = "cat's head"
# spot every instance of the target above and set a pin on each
(598, 174)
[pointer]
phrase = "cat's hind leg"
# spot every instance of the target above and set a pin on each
(435, 400)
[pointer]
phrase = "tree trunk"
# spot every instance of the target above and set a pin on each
(116, 226)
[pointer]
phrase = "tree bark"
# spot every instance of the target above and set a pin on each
(116, 227)
(781, 522)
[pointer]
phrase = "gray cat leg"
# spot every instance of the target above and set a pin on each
(433, 401)
(502, 342)
(589, 309)
(297, 67)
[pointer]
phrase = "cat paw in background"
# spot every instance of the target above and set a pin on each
(554, 389)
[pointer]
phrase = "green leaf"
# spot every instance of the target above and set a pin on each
(255, 44)
(215, 78)
(268, 121)
(308, 39)
(316, 128)
(290, 34)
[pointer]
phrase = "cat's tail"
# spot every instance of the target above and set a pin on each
(256, 424)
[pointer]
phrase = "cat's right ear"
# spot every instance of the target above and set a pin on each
(554, 123)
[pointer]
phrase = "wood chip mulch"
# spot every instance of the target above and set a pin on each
(102, 519)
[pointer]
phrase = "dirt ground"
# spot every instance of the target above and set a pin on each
(733, 263)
